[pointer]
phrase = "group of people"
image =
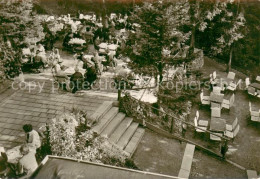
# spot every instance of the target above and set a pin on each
(26, 162)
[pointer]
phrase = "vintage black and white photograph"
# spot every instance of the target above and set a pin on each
(129, 89)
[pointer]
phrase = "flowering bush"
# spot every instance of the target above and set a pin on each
(68, 138)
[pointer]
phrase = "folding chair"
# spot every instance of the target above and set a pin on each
(233, 86)
(255, 115)
(231, 75)
(247, 81)
(258, 93)
(232, 134)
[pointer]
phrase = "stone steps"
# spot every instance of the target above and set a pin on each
(125, 138)
(120, 130)
(113, 124)
(104, 121)
(135, 140)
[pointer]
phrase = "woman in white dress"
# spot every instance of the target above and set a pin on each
(32, 137)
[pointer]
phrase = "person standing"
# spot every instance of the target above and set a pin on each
(224, 149)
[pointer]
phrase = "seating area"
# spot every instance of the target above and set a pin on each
(221, 121)
(253, 89)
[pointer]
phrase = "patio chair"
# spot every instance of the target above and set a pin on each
(231, 75)
(216, 137)
(215, 112)
(199, 129)
(231, 127)
(255, 115)
(258, 78)
(201, 122)
(251, 90)
(258, 93)
(233, 86)
(214, 75)
(247, 81)
(204, 99)
(232, 134)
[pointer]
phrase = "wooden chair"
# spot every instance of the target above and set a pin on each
(231, 75)
(233, 86)
(201, 122)
(258, 78)
(247, 82)
(251, 90)
(204, 99)
(232, 134)
(255, 115)
(198, 128)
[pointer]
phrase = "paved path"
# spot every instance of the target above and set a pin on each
(37, 107)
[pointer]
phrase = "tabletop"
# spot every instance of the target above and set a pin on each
(216, 97)
(217, 124)
(255, 85)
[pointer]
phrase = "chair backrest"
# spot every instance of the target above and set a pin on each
(231, 75)
(236, 130)
(197, 114)
(195, 121)
(258, 78)
(250, 106)
(251, 90)
(214, 75)
(239, 81)
(201, 96)
(235, 122)
(247, 81)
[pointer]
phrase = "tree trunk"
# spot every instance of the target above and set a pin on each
(192, 42)
(230, 59)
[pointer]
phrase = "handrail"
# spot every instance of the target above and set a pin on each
(187, 123)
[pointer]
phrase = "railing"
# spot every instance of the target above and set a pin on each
(147, 113)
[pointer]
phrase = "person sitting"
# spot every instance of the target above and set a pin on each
(27, 164)
(76, 80)
(32, 137)
(40, 57)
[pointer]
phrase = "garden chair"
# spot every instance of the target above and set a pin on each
(214, 75)
(247, 81)
(231, 127)
(199, 129)
(255, 115)
(258, 93)
(201, 123)
(231, 75)
(233, 86)
(232, 134)
(215, 112)
(251, 90)
(204, 99)
(216, 137)
(258, 78)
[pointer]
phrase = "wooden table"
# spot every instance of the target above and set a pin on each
(217, 125)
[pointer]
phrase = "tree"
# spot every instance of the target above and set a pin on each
(230, 24)
(157, 35)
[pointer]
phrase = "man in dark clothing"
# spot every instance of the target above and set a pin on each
(224, 149)
(76, 80)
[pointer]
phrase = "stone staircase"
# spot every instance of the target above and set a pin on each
(119, 129)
